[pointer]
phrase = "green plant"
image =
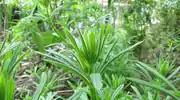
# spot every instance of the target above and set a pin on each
(164, 67)
(10, 57)
(105, 92)
(47, 83)
(91, 51)
(86, 61)
(159, 84)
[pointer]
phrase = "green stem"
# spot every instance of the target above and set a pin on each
(93, 93)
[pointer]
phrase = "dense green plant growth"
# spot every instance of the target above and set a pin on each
(9, 57)
(87, 56)
(84, 50)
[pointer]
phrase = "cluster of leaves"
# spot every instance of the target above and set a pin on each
(9, 57)
(74, 36)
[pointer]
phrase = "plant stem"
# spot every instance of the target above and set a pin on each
(93, 93)
(5, 15)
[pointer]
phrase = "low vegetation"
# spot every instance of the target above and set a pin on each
(89, 49)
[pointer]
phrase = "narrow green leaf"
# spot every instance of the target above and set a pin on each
(83, 63)
(173, 73)
(15, 55)
(2, 87)
(116, 92)
(107, 54)
(37, 39)
(66, 59)
(10, 90)
(145, 72)
(2, 46)
(108, 30)
(72, 69)
(40, 87)
(82, 41)
(6, 61)
(14, 66)
(137, 92)
(92, 47)
(59, 63)
(73, 42)
(76, 95)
